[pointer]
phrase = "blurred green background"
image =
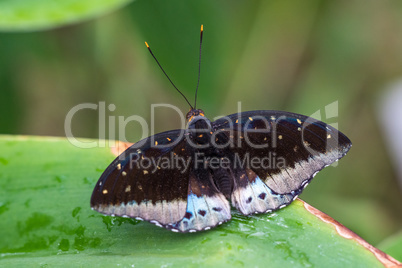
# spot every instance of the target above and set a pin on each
(298, 56)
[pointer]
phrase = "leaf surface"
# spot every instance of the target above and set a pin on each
(45, 187)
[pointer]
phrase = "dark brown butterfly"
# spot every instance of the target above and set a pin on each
(182, 179)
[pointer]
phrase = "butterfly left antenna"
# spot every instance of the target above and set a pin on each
(150, 51)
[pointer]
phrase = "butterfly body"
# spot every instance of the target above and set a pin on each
(184, 180)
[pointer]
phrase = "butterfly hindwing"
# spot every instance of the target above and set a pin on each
(137, 185)
(251, 195)
(206, 206)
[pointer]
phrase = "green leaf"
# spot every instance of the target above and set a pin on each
(45, 187)
(30, 15)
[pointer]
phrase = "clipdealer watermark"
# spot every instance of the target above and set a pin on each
(147, 130)
(182, 164)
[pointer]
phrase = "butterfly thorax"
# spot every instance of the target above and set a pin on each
(199, 126)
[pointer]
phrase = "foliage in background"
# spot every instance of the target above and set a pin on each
(393, 246)
(284, 55)
(33, 15)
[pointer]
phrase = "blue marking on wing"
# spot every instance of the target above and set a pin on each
(203, 212)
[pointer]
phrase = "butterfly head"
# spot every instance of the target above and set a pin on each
(194, 114)
(196, 120)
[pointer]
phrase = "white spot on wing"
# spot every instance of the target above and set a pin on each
(156, 223)
(128, 188)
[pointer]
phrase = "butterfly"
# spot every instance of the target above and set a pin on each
(183, 179)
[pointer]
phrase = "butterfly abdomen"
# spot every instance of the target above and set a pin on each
(223, 181)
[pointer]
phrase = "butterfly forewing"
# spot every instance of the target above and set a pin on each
(146, 181)
(284, 150)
